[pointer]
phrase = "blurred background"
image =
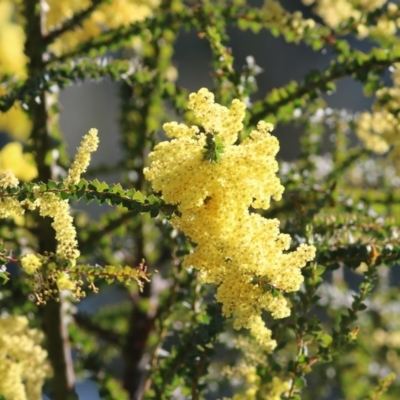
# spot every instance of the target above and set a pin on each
(96, 104)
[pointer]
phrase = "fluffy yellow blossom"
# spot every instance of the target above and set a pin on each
(12, 158)
(64, 282)
(371, 129)
(8, 179)
(23, 364)
(271, 391)
(245, 371)
(14, 122)
(50, 205)
(380, 129)
(12, 39)
(31, 263)
(9, 206)
(292, 23)
(333, 13)
(81, 161)
(238, 250)
(109, 15)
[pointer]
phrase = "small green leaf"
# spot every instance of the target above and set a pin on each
(300, 383)
(325, 339)
(103, 186)
(275, 292)
(64, 195)
(4, 278)
(320, 270)
(131, 193)
(138, 196)
(50, 185)
(154, 212)
(213, 148)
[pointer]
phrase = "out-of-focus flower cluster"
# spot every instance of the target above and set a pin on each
(108, 15)
(241, 252)
(292, 25)
(334, 13)
(23, 362)
(52, 206)
(245, 372)
(12, 62)
(272, 390)
(380, 129)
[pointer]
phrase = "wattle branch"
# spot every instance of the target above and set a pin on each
(280, 103)
(66, 74)
(101, 192)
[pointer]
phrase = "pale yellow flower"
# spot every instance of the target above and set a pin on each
(23, 362)
(379, 130)
(64, 282)
(109, 15)
(81, 161)
(31, 263)
(237, 250)
(336, 12)
(22, 165)
(293, 25)
(12, 39)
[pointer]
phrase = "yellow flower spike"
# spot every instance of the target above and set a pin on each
(240, 252)
(88, 145)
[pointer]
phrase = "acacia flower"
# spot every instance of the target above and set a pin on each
(31, 263)
(23, 362)
(239, 251)
(89, 144)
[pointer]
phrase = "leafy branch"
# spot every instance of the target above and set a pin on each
(72, 22)
(112, 194)
(359, 65)
(65, 74)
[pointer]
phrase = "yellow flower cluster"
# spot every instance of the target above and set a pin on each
(271, 391)
(7, 179)
(8, 205)
(13, 158)
(245, 371)
(279, 18)
(238, 250)
(380, 130)
(31, 263)
(12, 61)
(12, 38)
(109, 15)
(81, 161)
(50, 205)
(333, 13)
(23, 364)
